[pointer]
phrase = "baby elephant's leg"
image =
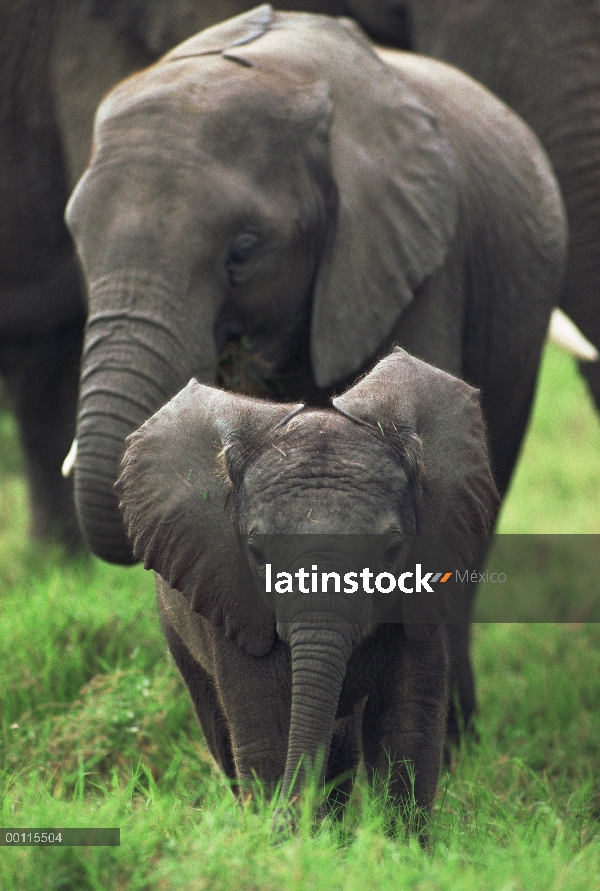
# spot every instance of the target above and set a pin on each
(344, 757)
(203, 694)
(404, 724)
(255, 694)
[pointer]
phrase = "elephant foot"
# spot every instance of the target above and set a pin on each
(285, 823)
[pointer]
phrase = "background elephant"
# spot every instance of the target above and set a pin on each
(376, 203)
(41, 313)
(543, 59)
(324, 675)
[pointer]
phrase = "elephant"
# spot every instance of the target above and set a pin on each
(542, 59)
(512, 48)
(156, 26)
(275, 179)
(213, 474)
(41, 312)
(57, 59)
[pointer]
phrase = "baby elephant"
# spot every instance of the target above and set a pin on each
(213, 474)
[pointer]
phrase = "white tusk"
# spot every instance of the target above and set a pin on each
(69, 462)
(565, 334)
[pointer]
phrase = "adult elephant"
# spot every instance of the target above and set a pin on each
(42, 312)
(57, 59)
(273, 178)
(543, 59)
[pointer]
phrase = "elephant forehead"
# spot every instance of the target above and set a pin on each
(208, 85)
(258, 131)
(324, 465)
(175, 83)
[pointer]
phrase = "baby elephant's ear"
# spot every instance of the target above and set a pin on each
(445, 413)
(460, 500)
(173, 494)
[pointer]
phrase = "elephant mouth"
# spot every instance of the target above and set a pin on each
(254, 368)
(243, 369)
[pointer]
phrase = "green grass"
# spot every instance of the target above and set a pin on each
(96, 728)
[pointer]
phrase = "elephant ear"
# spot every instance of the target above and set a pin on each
(460, 498)
(173, 494)
(395, 173)
(397, 184)
(226, 35)
(445, 413)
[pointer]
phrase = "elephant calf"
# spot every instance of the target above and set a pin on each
(403, 451)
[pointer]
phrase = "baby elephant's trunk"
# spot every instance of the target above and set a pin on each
(319, 657)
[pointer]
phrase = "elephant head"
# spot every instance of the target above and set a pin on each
(268, 176)
(403, 450)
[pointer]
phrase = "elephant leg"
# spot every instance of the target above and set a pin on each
(344, 757)
(462, 699)
(255, 694)
(41, 377)
(462, 704)
(41, 308)
(204, 698)
(403, 728)
(580, 298)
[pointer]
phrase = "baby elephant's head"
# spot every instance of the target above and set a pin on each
(402, 451)
(323, 492)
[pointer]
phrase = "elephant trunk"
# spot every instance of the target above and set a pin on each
(319, 658)
(133, 362)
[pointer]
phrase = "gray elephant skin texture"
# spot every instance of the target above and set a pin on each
(542, 59)
(212, 472)
(274, 179)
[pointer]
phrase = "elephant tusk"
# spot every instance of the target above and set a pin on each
(565, 334)
(69, 462)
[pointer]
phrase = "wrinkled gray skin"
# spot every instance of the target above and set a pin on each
(376, 203)
(323, 678)
(543, 59)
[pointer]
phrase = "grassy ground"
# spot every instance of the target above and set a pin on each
(96, 729)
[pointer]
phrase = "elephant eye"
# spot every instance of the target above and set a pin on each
(240, 251)
(257, 556)
(393, 552)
